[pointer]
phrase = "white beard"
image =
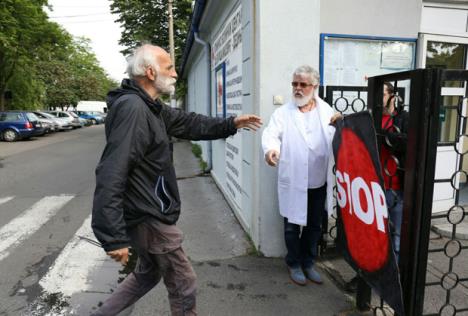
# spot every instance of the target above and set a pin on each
(303, 100)
(165, 85)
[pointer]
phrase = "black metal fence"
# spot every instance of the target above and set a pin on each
(346, 100)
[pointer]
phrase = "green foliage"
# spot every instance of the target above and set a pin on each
(203, 165)
(27, 88)
(41, 64)
(75, 74)
(146, 21)
(197, 151)
(22, 31)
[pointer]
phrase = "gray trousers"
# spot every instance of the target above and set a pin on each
(172, 265)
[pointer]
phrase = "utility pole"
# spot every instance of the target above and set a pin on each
(171, 44)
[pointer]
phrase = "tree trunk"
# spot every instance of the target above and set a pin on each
(2, 99)
(8, 74)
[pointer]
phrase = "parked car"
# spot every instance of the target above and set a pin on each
(15, 125)
(93, 118)
(49, 125)
(72, 118)
(76, 117)
(101, 114)
(85, 122)
(61, 123)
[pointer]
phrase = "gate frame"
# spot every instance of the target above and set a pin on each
(425, 101)
(419, 175)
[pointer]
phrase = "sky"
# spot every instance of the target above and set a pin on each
(93, 19)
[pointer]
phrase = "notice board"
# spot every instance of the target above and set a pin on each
(348, 60)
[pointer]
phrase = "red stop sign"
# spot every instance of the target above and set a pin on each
(362, 203)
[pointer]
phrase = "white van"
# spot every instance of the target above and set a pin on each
(92, 106)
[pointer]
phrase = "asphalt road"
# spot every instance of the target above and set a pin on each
(46, 187)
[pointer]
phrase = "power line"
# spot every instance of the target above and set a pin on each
(90, 21)
(78, 15)
(79, 6)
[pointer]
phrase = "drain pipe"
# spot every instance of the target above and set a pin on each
(207, 47)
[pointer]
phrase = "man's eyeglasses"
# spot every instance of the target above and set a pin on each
(301, 84)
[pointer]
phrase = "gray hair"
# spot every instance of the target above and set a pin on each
(141, 58)
(311, 73)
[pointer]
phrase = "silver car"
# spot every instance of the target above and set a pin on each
(72, 119)
(49, 123)
(60, 124)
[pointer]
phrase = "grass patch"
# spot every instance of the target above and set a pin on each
(252, 250)
(197, 151)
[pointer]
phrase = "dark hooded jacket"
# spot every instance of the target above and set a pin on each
(135, 178)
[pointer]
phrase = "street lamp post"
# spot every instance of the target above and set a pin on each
(171, 44)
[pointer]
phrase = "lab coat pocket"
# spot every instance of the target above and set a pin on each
(283, 173)
(284, 190)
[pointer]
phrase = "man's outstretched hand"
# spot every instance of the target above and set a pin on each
(119, 255)
(248, 121)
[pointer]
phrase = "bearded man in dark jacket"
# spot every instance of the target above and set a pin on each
(136, 201)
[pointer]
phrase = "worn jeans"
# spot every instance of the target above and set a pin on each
(302, 246)
(394, 199)
(160, 255)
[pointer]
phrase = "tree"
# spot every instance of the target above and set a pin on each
(72, 73)
(59, 84)
(147, 21)
(41, 64)
(23, 29)
(91, 81)
(27, 90)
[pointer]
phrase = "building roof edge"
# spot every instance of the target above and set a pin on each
(198, 10)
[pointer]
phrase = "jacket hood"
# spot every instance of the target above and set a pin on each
(129, 86)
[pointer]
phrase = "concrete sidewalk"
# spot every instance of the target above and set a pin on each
(232, 278)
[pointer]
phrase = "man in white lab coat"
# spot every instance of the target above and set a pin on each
(298, 139)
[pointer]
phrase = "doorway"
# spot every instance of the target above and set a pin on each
(448, 52)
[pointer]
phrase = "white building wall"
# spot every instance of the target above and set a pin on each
(451, 20)
(287, 36)
(396, 18)
(213, 21)
(250, 140)
(214, 25)
(197, 91)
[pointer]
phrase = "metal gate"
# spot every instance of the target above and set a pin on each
(433, 269)
(433, 266)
